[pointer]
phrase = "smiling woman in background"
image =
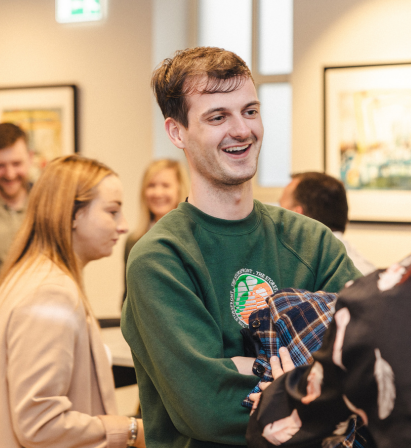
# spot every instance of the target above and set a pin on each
(55, 379)
(164, 186)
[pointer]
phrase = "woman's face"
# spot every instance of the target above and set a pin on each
(97, 227)
(162, 193)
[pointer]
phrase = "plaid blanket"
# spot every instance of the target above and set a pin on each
(296, 319)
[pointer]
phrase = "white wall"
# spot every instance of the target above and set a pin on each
(111, 64)
(170, 33)
(345, 32)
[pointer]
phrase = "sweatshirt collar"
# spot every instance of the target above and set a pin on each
(223, 226)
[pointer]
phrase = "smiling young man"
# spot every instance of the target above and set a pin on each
(15, 161)
(196, 276)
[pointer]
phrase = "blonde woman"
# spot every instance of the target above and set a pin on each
(164, 186)
(56, 385)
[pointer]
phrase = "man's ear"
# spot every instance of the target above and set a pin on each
(174, 132)
(298, 209)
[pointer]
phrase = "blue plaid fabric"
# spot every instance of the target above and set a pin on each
(296, 319)
(355, 436)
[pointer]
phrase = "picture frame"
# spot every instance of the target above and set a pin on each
(367, 138)
(48, 115)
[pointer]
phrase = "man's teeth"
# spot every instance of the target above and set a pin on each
(236, 148)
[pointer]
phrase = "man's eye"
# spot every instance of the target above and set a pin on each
(217, 118)
(251, 112)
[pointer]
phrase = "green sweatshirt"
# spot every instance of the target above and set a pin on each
(192, 282)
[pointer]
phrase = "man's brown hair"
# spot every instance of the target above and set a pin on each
(9, 134)
(223, 72)
(323, 198)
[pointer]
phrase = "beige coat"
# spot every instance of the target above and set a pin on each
(55, 378)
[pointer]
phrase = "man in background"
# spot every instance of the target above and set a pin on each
(323, 197)
(15, 161)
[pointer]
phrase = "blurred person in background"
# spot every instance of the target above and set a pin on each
(15, 162)
(56, 383)
(323, 198)
(164, 186)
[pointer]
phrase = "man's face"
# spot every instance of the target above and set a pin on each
(287, 198)
(14, 169)
(224, 135)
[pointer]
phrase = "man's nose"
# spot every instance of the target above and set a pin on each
(10, 173)
(240, 129)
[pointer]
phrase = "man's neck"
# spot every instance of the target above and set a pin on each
(232, 202)
(17, 202)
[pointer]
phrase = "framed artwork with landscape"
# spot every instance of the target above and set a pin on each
(48, 114)
(367, 138)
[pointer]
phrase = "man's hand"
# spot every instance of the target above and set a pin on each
(277, 371)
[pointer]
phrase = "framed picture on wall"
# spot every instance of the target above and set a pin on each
(367, 138)
(48, 114)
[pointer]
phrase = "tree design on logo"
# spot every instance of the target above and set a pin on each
(250, 293)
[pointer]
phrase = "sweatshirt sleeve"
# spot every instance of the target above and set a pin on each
(334, 267)
(318, 249)
(41, 338)
(179, 344)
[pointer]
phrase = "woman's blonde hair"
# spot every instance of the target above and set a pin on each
(146, 217)
(66, 185)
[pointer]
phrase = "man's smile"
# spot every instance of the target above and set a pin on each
(237, 149)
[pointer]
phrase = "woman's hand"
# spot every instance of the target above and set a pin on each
(140, 442)
(286, 361)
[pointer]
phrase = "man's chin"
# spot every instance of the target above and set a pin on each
(233, 179)
(10, 193)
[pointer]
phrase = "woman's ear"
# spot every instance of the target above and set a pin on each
(174, 131)
(75, 219)
(78, 217)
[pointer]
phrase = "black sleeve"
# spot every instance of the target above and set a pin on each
(319, 418)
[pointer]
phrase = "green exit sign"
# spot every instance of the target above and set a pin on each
(68, 11)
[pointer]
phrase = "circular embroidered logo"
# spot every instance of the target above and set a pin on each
(249, 291)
